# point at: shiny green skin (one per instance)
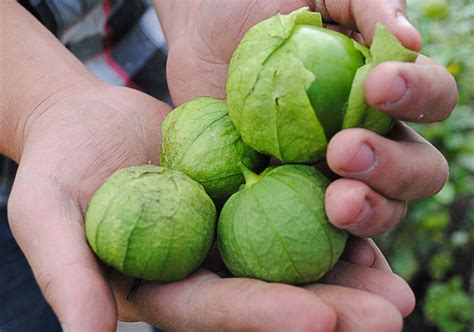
(151, 222)
(333, 59)
(292, 85)
(200, 140)
(288, 84)
(276, 229)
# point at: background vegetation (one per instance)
(433, 247)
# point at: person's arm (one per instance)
(35, 71)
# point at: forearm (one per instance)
(35, 71)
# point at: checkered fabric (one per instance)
(120, 41)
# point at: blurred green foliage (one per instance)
(433, 247)
(447, 305)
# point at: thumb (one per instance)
(47, 224)
(362, 15)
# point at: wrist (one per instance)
(38, 70)
(22, 113)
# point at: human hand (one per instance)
(72, 144)
(359, 294)
(378, 174)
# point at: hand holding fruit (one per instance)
(117, 128)
(77, 140)
(379, 173)
(183, 154)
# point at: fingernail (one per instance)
(363, 215)
(363, 161)
(397, 91)
(403, 20)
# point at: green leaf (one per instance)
(404, 263)
(357, 105)
(364, 50)
(436, 220)
(254, 50)
(386, 47)
(466, 160)
(281, 87)
(440, 264)
(448, 306)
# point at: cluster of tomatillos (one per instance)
(291, 86)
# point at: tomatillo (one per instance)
(275, 228)
(293, 84)
(151, 222)
(200, 140)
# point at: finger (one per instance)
(379, 262)
(359, 311)
(363, 212)
(363, 15)
(408, 169)
(47, 225)
(205, 302)
(385, 284)
(364, 252)
(358, 252)
(423, 92)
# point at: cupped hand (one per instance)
(72, 143)
(359, 294)
(378, 174)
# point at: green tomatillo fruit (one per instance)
(293, 84)
(200, 140)
(151, 222)
(276, 229)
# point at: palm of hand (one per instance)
(95, 134)
(210, 39)
(75, 143)
(119, 129)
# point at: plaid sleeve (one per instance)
(120, 41)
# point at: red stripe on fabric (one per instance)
(115, 66)
(107, 8)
